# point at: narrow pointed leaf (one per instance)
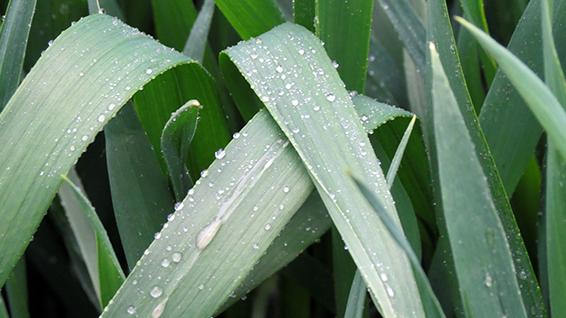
(327, 160)
(13, 43)
(17, 291)
(97, 251)
(555, 200)
(198, 38)
(176, 138)
(356, 298)
(480, 250)
(141, 197)
(538, 96)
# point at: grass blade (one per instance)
(155, 103)
(251, 17)
(513, 131)
(555, 201)
(197, 41)
(311, 220)
(104, 270)
(409, 26)
(17, 291)
(481, 253)
(13, 43)
(261, 188)
(176, 138)
(357, 295)
(346, 42)
(304, 13)
(289, 41)
(3, 310)
(28, 184)
(356, 298)
(141, 197)
(539, 98)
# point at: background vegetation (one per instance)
(262, 158)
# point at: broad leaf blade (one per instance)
(79, 61)
(328, 159)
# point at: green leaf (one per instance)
(292, 51)
(103, 267)
(13, 43)
(346, 42)
(357, 295)
(441, 34)
(311, 220)
(430, 304)
(155, 103)
(509, 126)
(304, 13)
(197, 41)
(555, 200)
(538, 96)
(176, 138)
(356, 298)
(3, 310)
(232, 214)
(475, 10)
(140, 191)
(173, 21)
(480, 249)
(68, 89)
(409, 26)
(251, 17)
(17, 291)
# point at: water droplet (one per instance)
(301, 51)
(156, 292)
(316, 108)
(383, 277)
(179, 206)
(165, 263)
(148, 71)
(488, 281)
(294, 102)
(204, 173)
(330, 97)
(390, 291)
(84, 138)
(111, 106)
(131, 310)
(335, 64)
(101, 118)
(158, 310)
(157, 235)
(206, 235)
(50, 43)
(286, 189)
(236, 135)
(255, 246)
(267, 227)
(279, 69)
(176, 257)
(201, 287)
(219, 154)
